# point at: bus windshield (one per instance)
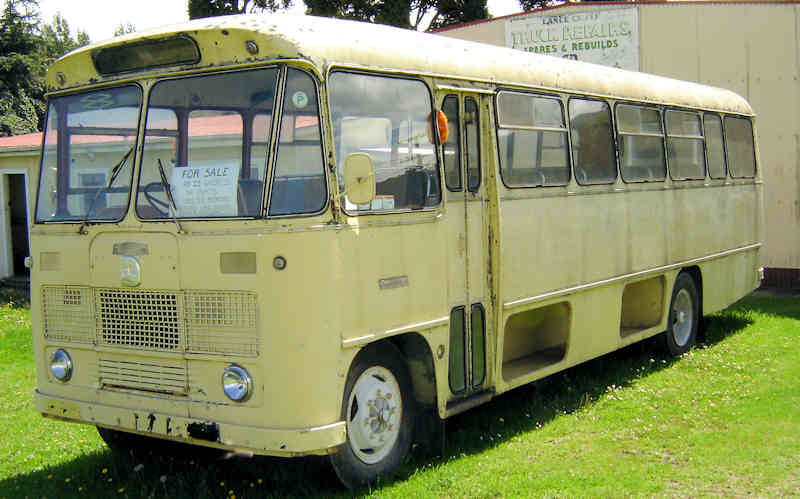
(87, 160)
(207, 139)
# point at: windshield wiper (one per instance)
(167, 189)
(114, 174)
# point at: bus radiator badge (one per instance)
(130, 272)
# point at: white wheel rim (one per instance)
(374, 413)
(682, 317)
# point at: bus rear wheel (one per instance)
(379, 410)
(684, 315)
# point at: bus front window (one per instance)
(209, 135)
(87, 160)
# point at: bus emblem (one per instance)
(130, 272)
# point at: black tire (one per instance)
(356, 466)
(684, 316)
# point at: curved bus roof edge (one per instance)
(332, 42)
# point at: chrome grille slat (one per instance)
(158, 376)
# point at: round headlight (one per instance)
(237, 383)
(61, 365)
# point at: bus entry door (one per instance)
(466, 212)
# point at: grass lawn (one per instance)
(723, 420)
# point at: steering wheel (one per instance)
(161, 207)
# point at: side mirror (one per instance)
(359, 178)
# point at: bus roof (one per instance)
(324, 42)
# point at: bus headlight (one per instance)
(61, 365)
(237, 383)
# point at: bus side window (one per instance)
(473, 146)
(389, 119)
(641, 142)
(592, 142)
(685, 145)
(298, 184)
(715, 151)
(739, 144)
(532, 140)
(452, 147)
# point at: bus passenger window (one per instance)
(592, 142)
(641, 143)
(452, 147)
(298, 185)
(685, 146)
(739, 143)
(389, 119)
(712, 125)
(532, 140)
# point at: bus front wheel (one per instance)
(684, 315)
(379, 409)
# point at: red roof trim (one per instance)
(598, 4)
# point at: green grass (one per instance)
(723, 420)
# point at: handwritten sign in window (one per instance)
(205, 191)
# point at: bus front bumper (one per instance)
(239, 438)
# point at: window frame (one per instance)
(748, 119)
(614, 145)
(479, 166)
(618, 134)
(498, 126)
(275, 143)
(437, 155)
(457, 126)
(667, 136)
(132, 160)
(726, 170)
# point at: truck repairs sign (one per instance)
(608, 37)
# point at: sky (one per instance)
(99, 18)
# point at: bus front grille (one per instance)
(138, 319)
(217, 322)
(152, 375)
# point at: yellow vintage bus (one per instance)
(286, 235)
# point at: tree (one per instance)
(413, 14)
(26, 51)
(402, 13)
(539, 4)
(211, 8)
(124, 29)
(20, 87)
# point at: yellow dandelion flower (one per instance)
(252, 485)
(221, 484)
(121, 490)
(260, 481)
(49, 476)
(80, 489)
(105, 470)
(230, 492)
(68, 480)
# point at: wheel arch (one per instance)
(697, 275)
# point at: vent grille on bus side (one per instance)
(166, 376)
(216, 322)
